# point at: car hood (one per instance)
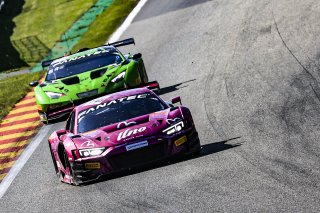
(83, 82)
(131, 130)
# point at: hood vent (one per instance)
(70, 81)
(97, 73)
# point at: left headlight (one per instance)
(174, 128)
(119, 77)
(54, 95)
(91, 152)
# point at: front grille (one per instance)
(87, 94)
(138, 156)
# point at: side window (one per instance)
(70, 123)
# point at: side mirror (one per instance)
(33, 83)
(137, 56)
(176, 100)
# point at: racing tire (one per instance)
(143, 75)
(67, 167)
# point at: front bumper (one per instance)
(117, 159)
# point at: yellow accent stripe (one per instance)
(3, 175)
(14, 144)
(16, 135)
(23, 109)
(22, 117)
(28, 101)
(7, 165)
(11, 154)
(19, 126)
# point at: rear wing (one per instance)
(124, 42)
(46, 63)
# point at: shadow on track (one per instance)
(174, 87)
(206, 149)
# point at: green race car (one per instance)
(77, 78)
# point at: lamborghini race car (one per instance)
(80, 77)
(121, 131)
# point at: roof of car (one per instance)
(111, 97)
(83, 53)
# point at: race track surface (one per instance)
(249, 72)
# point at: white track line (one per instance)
(18, 165)
(16, 168)
(116, 35)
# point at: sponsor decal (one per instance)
(181, 141)
(77, 57)
(125, 124)
(130, 132)
(106, 104)
(92, 165)
(171, 121)
(87, 144)
(137, 145)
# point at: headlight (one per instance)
(91, 152)
(119, 77)
(54, 95)
(174, 128)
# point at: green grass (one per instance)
(47, 20)
(15, 88)
(105, 24)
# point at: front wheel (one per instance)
(68, 175)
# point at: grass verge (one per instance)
(55, 20)
(105, 24)
(41, 24)
(13, 89)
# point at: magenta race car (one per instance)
(121, 131)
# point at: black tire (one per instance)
(66, 165)
(143, 74)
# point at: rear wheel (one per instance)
(143, 74)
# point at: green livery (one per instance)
(79, 77)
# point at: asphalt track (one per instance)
(249, 71)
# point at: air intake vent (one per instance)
(97, 73)
(70, 81)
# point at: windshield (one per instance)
(80, 65)
(118, 110)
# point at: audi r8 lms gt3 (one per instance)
(121, 131)
(74, 79)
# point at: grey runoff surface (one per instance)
(248, 71)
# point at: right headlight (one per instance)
(119, 77)
(91, 152)
(174, 128)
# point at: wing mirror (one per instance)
(137, 56)
(176, 100)
(33, 83)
